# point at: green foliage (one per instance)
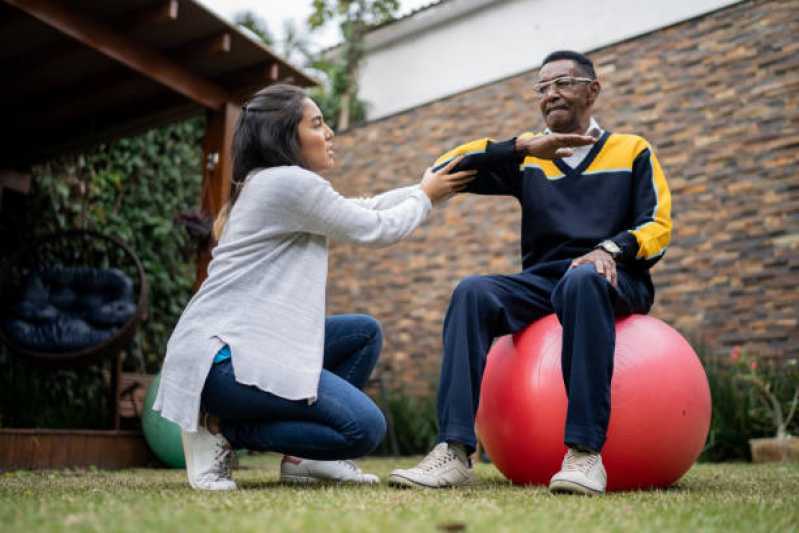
(257, 25)
(339, 98)
(132, 189)
(328, 96)
(414, 423)
(775, 390)
(30, 397)
(739, 410)
(370, 12)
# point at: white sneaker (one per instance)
(444, 466)
(580, 473)
(209, 460)
(298, 470)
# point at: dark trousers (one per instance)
(343, 422)
(485, 307)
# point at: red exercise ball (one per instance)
(660, 405)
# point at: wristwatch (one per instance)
(610, 247)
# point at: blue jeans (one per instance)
(343, 423)
(485, 307)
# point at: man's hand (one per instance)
(602, 261)
(553, 145)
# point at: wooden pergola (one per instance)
(79, 73)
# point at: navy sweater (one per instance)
(618, 192)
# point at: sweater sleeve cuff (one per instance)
(503, 148)
(628, 244)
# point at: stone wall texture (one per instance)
(718, 98)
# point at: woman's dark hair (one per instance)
(266, 136)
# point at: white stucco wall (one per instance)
(465, 43)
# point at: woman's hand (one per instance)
(553, 145)
(442, 184)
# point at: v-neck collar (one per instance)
(587, 160)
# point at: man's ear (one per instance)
(594, 88)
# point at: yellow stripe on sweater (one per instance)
(549, 168)
(653, 237)
(475, 147)
(618, 154)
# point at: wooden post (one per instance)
(116, 373)
(217, 173)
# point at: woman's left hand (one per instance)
(441, 184)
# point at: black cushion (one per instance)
(61, 335)
(70, 308)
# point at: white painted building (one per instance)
(454, 45)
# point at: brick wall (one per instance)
(717, 96)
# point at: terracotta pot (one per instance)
(774, 449)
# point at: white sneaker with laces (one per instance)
(580, 473)
(209, 460)
(298, 470)
(444, 466)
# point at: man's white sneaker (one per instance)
(297, 470)
(209, 460)
(444, 466)
(580, 473)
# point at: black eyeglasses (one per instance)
(560, 84)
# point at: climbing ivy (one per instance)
(134, 189)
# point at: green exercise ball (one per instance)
(161, 435)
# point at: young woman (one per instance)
(253, 351)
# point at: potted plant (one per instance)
(782, 446)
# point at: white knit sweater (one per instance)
(265, 291)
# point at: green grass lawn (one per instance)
(711, 497)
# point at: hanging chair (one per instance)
(71, 299)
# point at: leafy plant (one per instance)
(739, 410)
(414, 423)
(133, 189)
(30, 397)
(770, 390)
(255, 24)
(355, 19)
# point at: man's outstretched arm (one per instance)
(497, 163)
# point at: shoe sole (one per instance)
(299, 480)
(310, 480)
(570, 487)
(401, 482)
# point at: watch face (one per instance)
(611, 247)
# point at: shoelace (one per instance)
(581, 462)
(437, 458)
(223, 462)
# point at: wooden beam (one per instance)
(202, 48)
(126, 51)
(95, 95)
(9, 19)
(217, 174)
(158, 14)
(45, 58)
(16, 181)
(28, 147)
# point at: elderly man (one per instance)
(595, 219)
